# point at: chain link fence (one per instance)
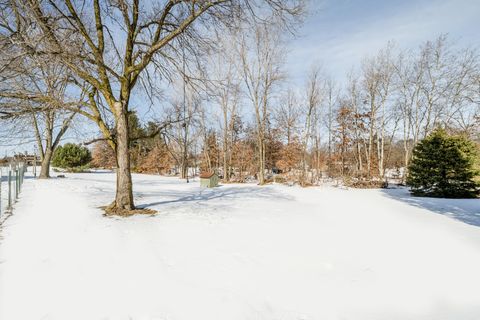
(11, 181)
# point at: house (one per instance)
(209, 180)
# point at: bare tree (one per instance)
(331, 101)
(225, 89)
(261, 62)
(313, 97)
(34, 95)
(377, 81)
(287, 116)
(409, 77)
(185, 114)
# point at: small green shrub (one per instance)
(71, 156)
(444, 166)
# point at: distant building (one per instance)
(209, 180)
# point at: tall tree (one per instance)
(377, 82)
(313, 97)
(261, 62)
(35, 100)
(225, 89)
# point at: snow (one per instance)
(237, 252)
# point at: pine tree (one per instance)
(444, 166)
(71, 156)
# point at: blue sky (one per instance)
(339, 33)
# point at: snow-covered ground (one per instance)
(237, 252)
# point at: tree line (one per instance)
(247, 123)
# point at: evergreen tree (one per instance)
(444, 166)
(71, 156)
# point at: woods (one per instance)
(251, 125)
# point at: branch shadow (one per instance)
(464, 210)
(225, 194)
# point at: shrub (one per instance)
(103, 156)
(71, 156)
(366, 184)
(444, 166)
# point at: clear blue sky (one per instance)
(339, 33)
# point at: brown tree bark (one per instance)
(124, 192)
(45, 166)
(261, 171)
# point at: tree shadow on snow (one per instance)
(222, 193)
(465, 210)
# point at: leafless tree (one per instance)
(261, 61)
(313, 102)
(287, 116)
(226, 90)
(377, 82)
(34, 95)
(331, 92)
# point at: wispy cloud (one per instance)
(341, 33)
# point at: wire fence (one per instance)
(11, 181)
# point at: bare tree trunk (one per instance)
(206, 155)
(330, 137)
(370, 142)
(318, 144)
(306, 139)
(225, 151)
(124, 192)
(45, 166)
(261, 158)
(48, 152)
(313, 97)
(381, 146)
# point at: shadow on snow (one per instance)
(465, 210)
(222, 193)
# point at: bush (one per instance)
(444, 166)
(366, 184)
(103, 156)
(71, 156)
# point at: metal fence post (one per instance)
(1, 177)
(15, 177)
(22, 173)
(9, 188)
(16, 184)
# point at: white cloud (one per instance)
(348, 37)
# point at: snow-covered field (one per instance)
(237, 252)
